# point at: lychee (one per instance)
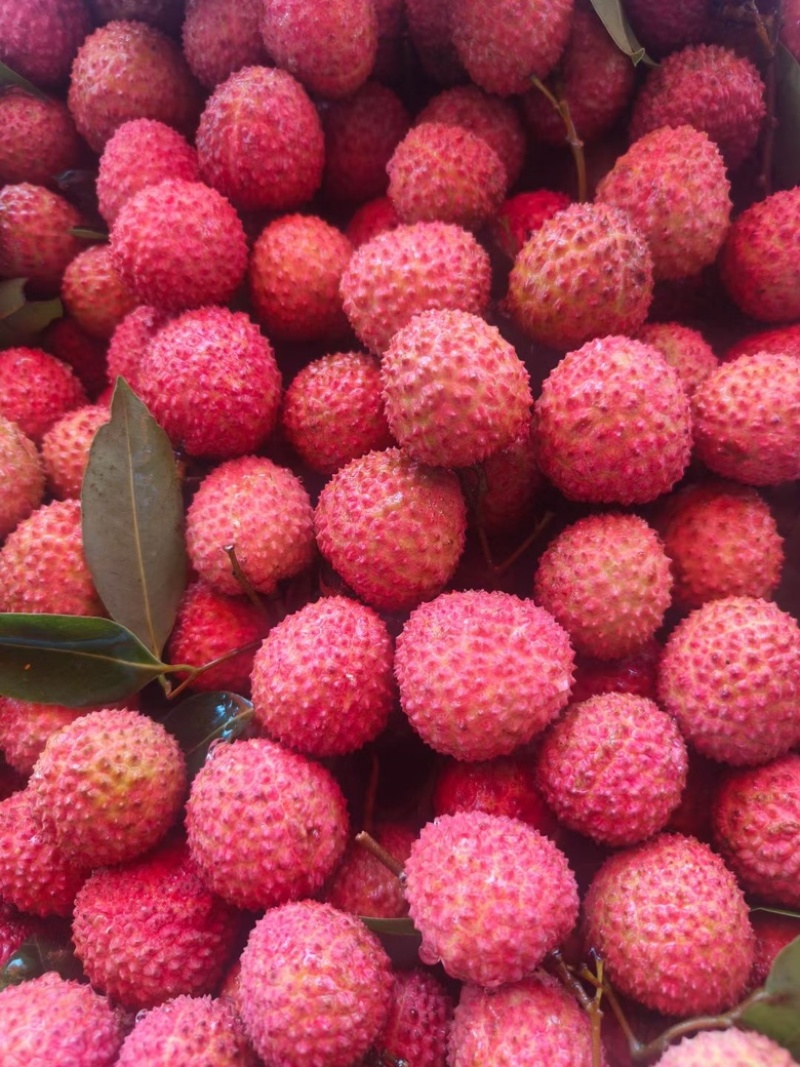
(635, 673)
(726, 1048)
(32, 120)
(65, 449)
(773, 933)
(684, 348)
(522, 215)
(430, 29)
(35, 238)
(94, 293)
(23, 476)
(420, 1020)
(782, 340)
(509, 485)
(362, 885)
(39, 38)
(372, 218)
(36, 390)
(65, 339)
(130, 341)
(185, 1032)
(665, 27)
(26, 727)
(164, 14)
(220, 37)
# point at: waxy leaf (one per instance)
(132, 511)
(205, 719)
(787, 142)
(38, 955)
(10, 77)
(403, 927)
(71, 659)
(88, 234)
(616, 23)
(777, 1012)
(21, 319)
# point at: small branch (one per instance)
(573, 140)
(539, 528)
(725, 1021)
(634, 1044)
(195, 672)
(371, 845)
(556, 963)
(247, 589)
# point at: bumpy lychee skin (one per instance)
(420, 1019)
(150, 930)
(36, 390)
(220, 37)
(374, 217)
(672, 926)
(23, 476)
(35, 238)
(510, 485)
(322, 679)
(773, 933)
(94, 293)
(333, 411)
(726, 1048)
(39, 39)
(664, 28)
(446, 173)
(315, 986)
(42, 565)
(15, 928)
(179, 245)
(606, 579)
(392, 557)
(260, 140)
(635, 674)
(451, 657)
(503, 47)
(362, 884)
(454, 389)
(411, 269)
(187, 1031)
(330, 49)
(265, 825)
(211, 380)
(746, 419)
(141, 152)
(65, 449)
(129, 70)
(613, 423)
(683, 348)
(264, 511)
(613, 768)
(759, 264)
(674, 186)
(710, 88)
(51, 1022)
(108, 786)
(722, 540)
(129, 343)
(755, 816)
(497, 939)
(294, 273)
(730, 674)
(586, 272)
(784, 340)
(30, 120)
(527, 1023)
(25, 728)
(522, 215)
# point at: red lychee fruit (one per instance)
(260, 140)
(726, 1048)
(23, 476)
(509, 486)
(503, 936)
(52, 1022)
(139, 153)
(392, 37)
(391, 528)
(481, 673)
(411, 269)
(333, 411)
(362, 885)
(42, 565)
(39, 38)
(755, 816)
(522, 215)
(613, 423)
(330, 49)
(129, 343)
(665, 27)
(220, 37)
(211, 380)
(209, 625)
(783, 340)
(683, 348)
(430, 29)
(673, 184)
(454, 389)
(150, 930)
(108, 786)
(185, 1032)
(65, 449)
(265, 825)
(374, 217)
(31, 120)
(25, 728)
(420, 1019)
(263, 511)
(305, 948)
(760, 260)
(447, 174)
(730, 674)
(710, 88)
(65, 339)
(773, 933)
(746, 419)
(164, 14)
(693, 815)
(361, 133)
(94, 293)
(722, 540)
(586, 272)
(606, 579)
(36, 390)
(613, 768)
(527, 1023)
(671, 925)
(504, 47)
(35, 239)
(635, 674)
(129, 70)
(322, 679)
(15, 929)
(179, 245)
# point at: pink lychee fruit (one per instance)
(220, 37)
(420, 1020)
(265, 825)
(94, 293)
(35, 238)
(39, 39)
(374, 217)
(185, 1032)
(726, 1048)
(666, 27)
(32, 120)
(613, 423)
(509, 485)
(671, 924)
(308, 946)
(773, 933)
(362, 885)
(26, 727)
(65, 339)
(36, 390)
(684, 348)
(783, 340)
(65, 449)
(130, 341)
(522, 215)
(635, 674)
(23, 476)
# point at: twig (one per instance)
(573, 140)
(371, 845)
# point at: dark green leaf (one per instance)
(787, 141)
(28, 322)
(12, 296)
(132, 508)
(399, 927)
(776, 1013)
(88, 234)
(10, 77)
(37, 956)
(202, 720)
(616, 23)
(73, 660)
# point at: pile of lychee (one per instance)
(478, 347)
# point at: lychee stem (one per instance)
(591, 1005)
(195, 672)
(247, 589)
(371, 845)
(573, 140)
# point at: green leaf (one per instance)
(207, 718)
(132, 506)
(20, 319)
(787, 142)
(399, 927)
(12, 296)
(38, 955)
(10, 77)
(776, 1012)
(613, 17)
(71, 659)
(88, 234)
